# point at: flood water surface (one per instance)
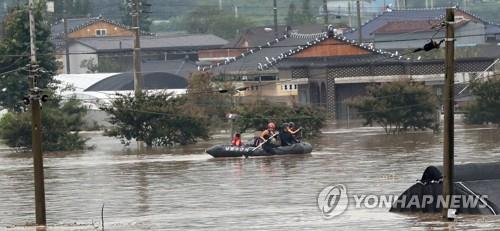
(185, 189)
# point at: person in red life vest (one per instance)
(237, 140)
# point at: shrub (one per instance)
(398, 106)
(60, 126)
(157, 119)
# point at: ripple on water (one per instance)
(185, 189)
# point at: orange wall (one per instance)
(329, 48)
(89, 31)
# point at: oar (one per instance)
(265, 141)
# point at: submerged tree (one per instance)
(398, 106)
(61, 121)
(157, 119)
(214, 100)
(485, 108)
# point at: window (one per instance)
(286, 87)
(100, 32)
(295, 86)
(291, 87)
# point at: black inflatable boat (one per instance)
(232, 151)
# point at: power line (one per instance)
(237, 48)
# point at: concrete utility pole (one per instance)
(136, 10)
(275, 12)
(349, 13)
(66, 45)
(36, 124)
(448, 154)
(325, 11)
(360, 33)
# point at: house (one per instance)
(264, 70)
(251, 38)
(397, 29)
(114, 54)
(88, 27)
(326, 69)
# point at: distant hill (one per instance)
(260, 11)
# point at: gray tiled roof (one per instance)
(396, 15)
(251, 61)
(259, 36)
(275, 52)
(379, 21)
(153, 42)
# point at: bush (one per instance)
(398, 106)
(60, 126)
(257, 116)
(485, 108)
(157, 119)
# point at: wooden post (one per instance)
(448, 154)
(36, 125)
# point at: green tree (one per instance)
(256, 116)
(157, 119)
(398, 106)
(205, 20)
(205, 95)
(306, 12)
(292, 18)
(485, 108)
(74, 8)
(144, 20)
(61, 122)
(15, 55)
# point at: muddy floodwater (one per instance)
(185, 189)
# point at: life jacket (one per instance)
(236, 141)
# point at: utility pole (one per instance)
(325, 11)
(220, 5)
(36, 124)
(349, 12)
(136, 10)
(66, 45)
(448, 153)
(360, 33)
(275, 12)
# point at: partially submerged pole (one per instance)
(448, 154)
(36, 125)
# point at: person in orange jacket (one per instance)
(237, 140)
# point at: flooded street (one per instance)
(185, 189)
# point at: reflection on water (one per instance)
(183, 188)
